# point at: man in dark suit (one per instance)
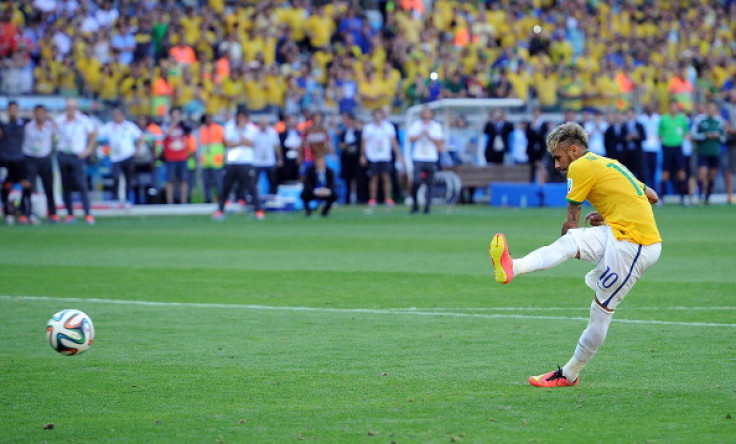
(536, 148)
(614, 138)
(498, 130)
(634, 152)
(353, 173)
(319, 184)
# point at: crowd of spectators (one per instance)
(596, 60)
(207, 55)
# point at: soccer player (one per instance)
(623, 242)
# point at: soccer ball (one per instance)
(70, 332)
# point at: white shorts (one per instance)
(619, 262)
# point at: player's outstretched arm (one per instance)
(573, 217)
(651, 195)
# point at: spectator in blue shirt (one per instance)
(124, 42)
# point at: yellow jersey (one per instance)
(616, 194)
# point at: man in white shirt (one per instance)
(291, 146)
(377, 143)
(426, 135)
(125, 140)
(652, 145)
(267, 151)
(239, 135)
(107, 14)
(77, 140)
(37, 147)
(596, 130)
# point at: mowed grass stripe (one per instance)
(352, 311)
(162, 373)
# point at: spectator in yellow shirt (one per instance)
(520, 82)
(232, 88)
(108, 86)
(275, 87)
(545, 86)
(140, 103)
(68, 77)
(572, 91)
(185, 92)
(44, 78)
(319, 28)
(295, 18)
(91, 70)
(370, 91)
(255, 90)
(191, 24)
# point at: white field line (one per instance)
(582, 307)
(387, 311)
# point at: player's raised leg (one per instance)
(542, 258)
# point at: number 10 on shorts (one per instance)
(607, 279)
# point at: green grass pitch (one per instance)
(371, 327)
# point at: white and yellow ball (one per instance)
(70, 332)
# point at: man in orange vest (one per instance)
(211, 155)
(183, 53)
(162, 94)
(148, 159)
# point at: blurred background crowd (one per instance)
(615, 66)
(348, 56)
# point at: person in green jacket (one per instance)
(673, 128)
(709, 133)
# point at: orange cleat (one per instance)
(503, 265)
(260, 214)
(552, 379)
(89, 219)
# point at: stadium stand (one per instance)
(296, 57)
(348, 56)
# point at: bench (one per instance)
(473, 177)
